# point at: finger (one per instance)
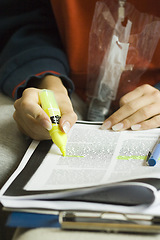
(18, 125)
(67, 121)
(130, 108)
(142, 114)
(154, 122)
(134, 120)
(29, 105)
(30, 127)
(125, 111)
(137, 93)
(69, 117)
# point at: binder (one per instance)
(110, 222)
(87, 221)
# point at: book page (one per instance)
(95, 157)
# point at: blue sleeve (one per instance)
(30, 46)
(157, 86)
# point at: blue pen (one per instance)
(154, 155)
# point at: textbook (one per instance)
(103, 171)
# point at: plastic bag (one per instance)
(116, 47)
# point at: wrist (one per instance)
(51, 82)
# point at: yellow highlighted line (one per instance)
(74, 156)
(132, 157)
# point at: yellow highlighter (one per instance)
(49, 105)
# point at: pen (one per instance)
(49, 105)
(154, 155)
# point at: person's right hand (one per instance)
(31, 118)
(139, 110)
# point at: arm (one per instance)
(32, 56)
(30, 47)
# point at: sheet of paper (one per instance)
(95, 157)
(44, 206)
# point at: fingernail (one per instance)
(117, 127)
(66, 127)
(106, 125)
(136, 127)
(47, 125)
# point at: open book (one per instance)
(103, 171)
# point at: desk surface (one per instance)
(12, 147)
(55, 234)
(12, 143)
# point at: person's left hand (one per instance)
(139, 110)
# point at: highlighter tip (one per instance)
(63, 151)
(64, 154)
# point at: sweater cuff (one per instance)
(18, 90)
(157, 86)
(16, 73)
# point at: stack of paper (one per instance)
(104, 171)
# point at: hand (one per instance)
(139, 110)
(30, 117)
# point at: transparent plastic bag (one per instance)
(116, 47)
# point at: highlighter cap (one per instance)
(152, 162)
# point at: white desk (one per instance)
(12, 143)
(55, 234)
